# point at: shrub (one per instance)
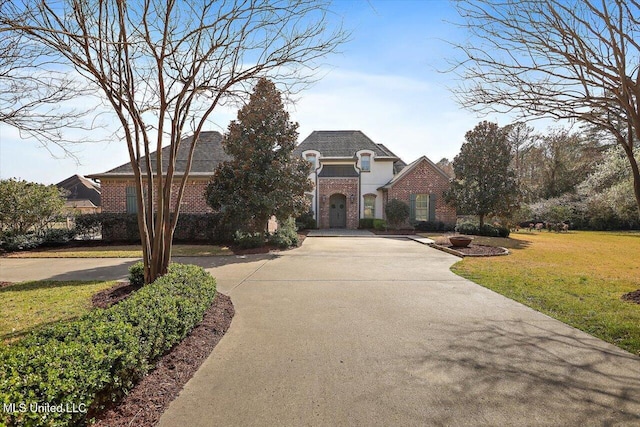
(366, 223)
(136, 274)
(486, 230)
(433, 226)
(246, 240)
(88, 225)
(286, 235)
(19, 242)
(379, 224)
(95, 360)
(397, 212)
(57, 237)
(306, 221)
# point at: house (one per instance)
(82, 195)
(118, 184)
(355, 177)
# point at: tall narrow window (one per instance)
(422, 207)
(132, 206)
(370, 206)
(365, 162)
(311, 158)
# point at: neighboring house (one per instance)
(82, 194)
(354, 178)
(118, 184)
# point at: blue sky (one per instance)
(385, 82)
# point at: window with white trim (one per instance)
(311, 158)
(132, 203)
(370, 206)
(365, 162)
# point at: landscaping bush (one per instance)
(88, 225)
(486, 230)
(136, 274)
(379, 224)
(397, 212)
(247, 240)
(94, 361)
(57, 237)
(433, 226)
(286, 235)
(366, 223)
(19, 242)
(306, 221)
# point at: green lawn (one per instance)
(28, 305)
(577, 278)
(122, 251)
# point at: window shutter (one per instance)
(432, 207)
(412, 207)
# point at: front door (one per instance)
(338, 211)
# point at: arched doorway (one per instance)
(338, 211)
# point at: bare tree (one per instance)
(577, 60)
(165, 65)
(33, 89)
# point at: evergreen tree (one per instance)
(485, 183)
(263, 179)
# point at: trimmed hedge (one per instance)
(91, 362)
(433, 226)
(366, 223)
(211, 227)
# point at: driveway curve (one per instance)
(377, 331)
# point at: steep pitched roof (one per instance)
(408, 168)
(80, 188)
(206, 157)
(341, 143)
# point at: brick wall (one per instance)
(344, 186)
(114, 198)
(424, 179)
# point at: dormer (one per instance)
(313, 157)
(364, 160)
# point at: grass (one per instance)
(28, 305)
(577, 278)
(122, 251)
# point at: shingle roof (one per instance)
(80, 188)
(206, 157)
(341, 143)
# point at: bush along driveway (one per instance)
(84, 365)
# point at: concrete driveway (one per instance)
(378, 331)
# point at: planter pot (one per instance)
(460, 241)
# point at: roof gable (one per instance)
(411, 166)
(80, 188)
(341, 143)
(206, 157)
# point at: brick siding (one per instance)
(424, 179)
(114, 197)
(344, 186)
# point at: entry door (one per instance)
(338, 211)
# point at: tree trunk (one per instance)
(481, 220)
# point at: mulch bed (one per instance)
(145, 404)
(113, 295)
(632, 296)
(474, 250)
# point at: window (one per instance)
(421, 207)
(132, 206)
(365, 162)
(370, 206)
(311, 158)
